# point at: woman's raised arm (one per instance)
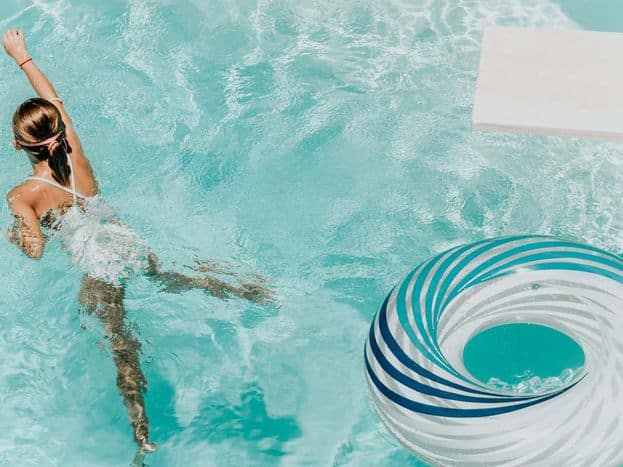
(15, 46)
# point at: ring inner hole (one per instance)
(523, 358)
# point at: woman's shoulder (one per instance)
(26, 192)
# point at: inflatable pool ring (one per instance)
(425, 396)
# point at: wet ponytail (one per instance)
(37, 120)
(57, 160)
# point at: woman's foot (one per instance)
(141, 433)
(257, 293)
(148, 447)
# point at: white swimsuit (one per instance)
(101, 246)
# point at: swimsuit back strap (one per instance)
(72, 178)
(74, 193)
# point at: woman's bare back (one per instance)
(45, 197)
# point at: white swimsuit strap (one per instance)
(75, 195)
(72, 178)
(51, 182)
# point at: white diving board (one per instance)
(550, 82)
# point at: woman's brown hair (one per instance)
(38, 120)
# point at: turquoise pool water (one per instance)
(324, 144)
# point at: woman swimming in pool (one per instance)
(61, 197)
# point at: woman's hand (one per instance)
(15, 45)
(12, 235)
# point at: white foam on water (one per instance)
(531, 384)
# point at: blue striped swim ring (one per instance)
(425, 396)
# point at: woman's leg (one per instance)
(176, 282)
(106, 301)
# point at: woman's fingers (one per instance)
(14, 42)
(8, 36)
(5, 40)
(9, 33)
